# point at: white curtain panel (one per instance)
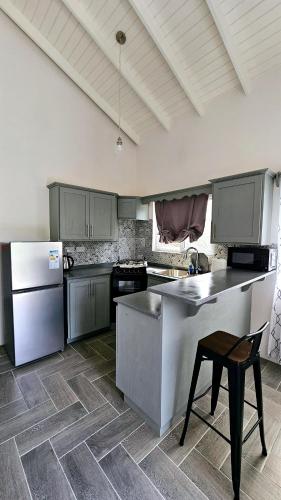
(274, 345)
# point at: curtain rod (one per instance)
(179, 193)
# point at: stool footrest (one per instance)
(252, 430)
(211, 426)
(245, 400)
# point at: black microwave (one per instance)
(254, 258)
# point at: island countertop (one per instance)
(198, 290)
(144, 302)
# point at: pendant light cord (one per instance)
(119, 90)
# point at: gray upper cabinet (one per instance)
(74, 214)
(103, 218)
(132, 208)
(242, 207)
(82, 214)
(88, 305)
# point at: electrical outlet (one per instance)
(69, 249)
(80, 249)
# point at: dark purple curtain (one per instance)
(180, 219)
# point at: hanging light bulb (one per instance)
(121, 39)
(119, 144)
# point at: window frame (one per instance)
(205, 246)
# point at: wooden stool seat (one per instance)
(236, 354)
(221, 342)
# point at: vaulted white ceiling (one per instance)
(179, 55)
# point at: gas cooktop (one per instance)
(130, 263)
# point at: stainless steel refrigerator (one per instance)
(32, 279)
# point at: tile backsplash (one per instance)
(96, 252)
(135, 242)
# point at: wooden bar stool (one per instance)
(236, 354)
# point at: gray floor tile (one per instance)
(59, 391)
(75, 369)
(271, 375)
(83, 429)
(255, 484)
(85, 475)
(5, 364)
(272, 467)
(86, 392)
(13, 484)
(32, 390)
(11, 410)
(126, 476)
(112, 434)
(63, 364)
(252, 448)
(102, 367)
(207, 478)
(172, 483)
(215, 448)
(196, 429)
(9, 390)
(141, 442)
(103, 349)
(109, 390)
(49, 427)
(25, 420)
(84, 349)
(37, 365)
(45, 476)
(68, 352)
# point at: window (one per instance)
(203, 244)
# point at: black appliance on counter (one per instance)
(128, 276)
(252, 258)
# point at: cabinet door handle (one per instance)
(92, 230)
(87, 230)
(92, 289)
(214, 231)
(89, 289)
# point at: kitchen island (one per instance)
(158, 332)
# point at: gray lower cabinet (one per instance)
(88, 305)
(82, 214)
(242, 209)
(132, 208)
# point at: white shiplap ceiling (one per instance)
(179, 55)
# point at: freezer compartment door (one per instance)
(38, 324)
(36, 264)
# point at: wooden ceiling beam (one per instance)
(49, 49)
(144, 14)
(111, 51)
(229, 44)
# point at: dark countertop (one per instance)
(90, 271)
(144, 302)
(198, 290)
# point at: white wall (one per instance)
(238, 133)
(49, 130)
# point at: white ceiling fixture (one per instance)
(141, 8)
(49, 49)
(93, 30)
(229, 44)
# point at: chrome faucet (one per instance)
(197, 257)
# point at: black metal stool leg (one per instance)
(196, 370)
(216, 380)
(236, 384)
(258, 386)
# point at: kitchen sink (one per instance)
(174, 273)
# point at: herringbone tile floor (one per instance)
(66, 433)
